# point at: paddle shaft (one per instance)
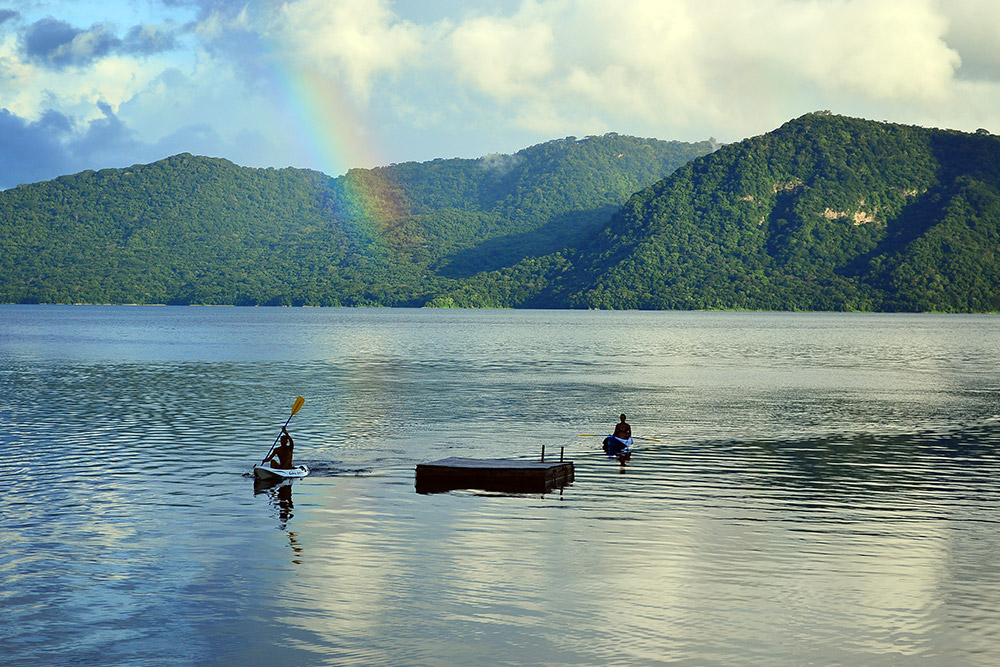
(634, 437)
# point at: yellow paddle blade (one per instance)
(299, 402)
(588, 435)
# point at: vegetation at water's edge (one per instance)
(824, 213)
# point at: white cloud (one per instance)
(28, 89)
(683, 62)
(217, 24)
(973, 28)
(471, 81)
(882, 49)
(351, 39)
(504, 58)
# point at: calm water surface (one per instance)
(823, 488)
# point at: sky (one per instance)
(336, 84)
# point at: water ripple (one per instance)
(826, 490)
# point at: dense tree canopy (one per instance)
(824, 213)
(191, 229)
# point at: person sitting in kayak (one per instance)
(620, 440)
(283, 452)
(622, 429)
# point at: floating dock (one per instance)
(507, 475)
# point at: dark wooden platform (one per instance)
(507, 475)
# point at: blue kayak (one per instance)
(617, 447)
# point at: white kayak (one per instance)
(267, 472)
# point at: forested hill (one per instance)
(824, 213)
(192, 229)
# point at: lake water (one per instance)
(822, 488)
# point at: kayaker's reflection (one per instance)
(279, 497)
(283, 501)
(296, 549)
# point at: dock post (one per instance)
(543, 453)
(561, 450)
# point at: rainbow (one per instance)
(326, 124)
(337, 139)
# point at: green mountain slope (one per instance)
(191, 229)
(824, 213)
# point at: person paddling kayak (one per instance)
(620, 440)
(283, 452)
